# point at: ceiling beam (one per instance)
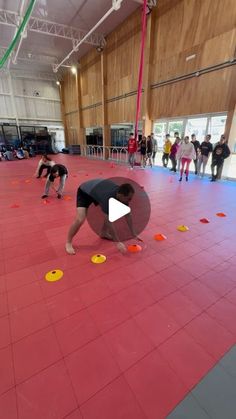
(47, 27)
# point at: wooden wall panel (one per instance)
(186, 27)
(70, 92)
(92, 117)
(123, 51)
(73, 128)
(90, 78)
(204, 94)
(179, 28)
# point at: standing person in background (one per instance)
(186, 153)
(166, 150)
(205, 151)
(181, 140)
(220, 153)
(143, 151)
(173, 152)
(44, 163)
(58, 170)
(149, 149)
(132, 148)
(196, 145)
(154, 147)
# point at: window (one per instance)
(175, 126)
(159, 130)
(196, 126)
(216, 127)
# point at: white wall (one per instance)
(29, 101)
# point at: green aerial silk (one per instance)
(18, 34)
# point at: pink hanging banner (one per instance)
(140, 78)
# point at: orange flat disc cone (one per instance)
(15, 206)
(46, 202)
(67, 198)
(134, 248)
(182, 228)
(204, 221)
(160, 237)
(220, 214)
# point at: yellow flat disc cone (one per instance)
(54, 276)
(98, 259)
(182, 228)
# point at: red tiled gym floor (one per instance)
(124, 340)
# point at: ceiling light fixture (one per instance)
(58, 83)
(73, 69)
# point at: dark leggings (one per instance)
(219, 167)
(174, 163)
(165, 159)
(44, 167)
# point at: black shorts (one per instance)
(84, 200)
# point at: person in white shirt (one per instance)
(44, 163)
(186, 153)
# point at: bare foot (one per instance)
(69, 249)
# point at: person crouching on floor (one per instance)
(44, 163)
(58, 170)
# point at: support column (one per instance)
(81, 129)
(230, 132)
(230, 126)
(13, 103)
(63, 117)
(105, 127)
(145, 110)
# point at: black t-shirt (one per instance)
(101, 191)
(196, 145)
(206, 148)
(62, 170)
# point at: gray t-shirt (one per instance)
(101, 190)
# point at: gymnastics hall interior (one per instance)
(151, 333)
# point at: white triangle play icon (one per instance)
(116, 210)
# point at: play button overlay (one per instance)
(112, 210)
(116, 210)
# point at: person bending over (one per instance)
(44, 163)
(98, 192)
(58, 170)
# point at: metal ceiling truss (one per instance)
(46, 27)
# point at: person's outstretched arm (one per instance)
(108, 226)
(131, 226)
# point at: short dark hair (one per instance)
(125, 189)
(131, 134)
(193, 135)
